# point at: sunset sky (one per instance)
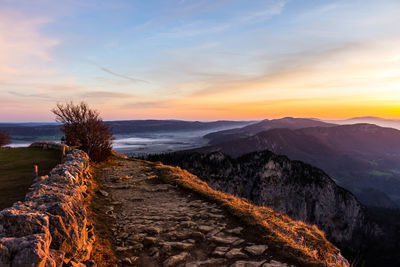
(201, 59)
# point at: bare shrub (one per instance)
(83, 128)
(4, 138)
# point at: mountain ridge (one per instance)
(374, 239)
(359, 156)
(287, 122)
(392, 123)
(177, 219)
(298, 189)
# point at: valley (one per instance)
(364, 158)
(232, 158)
(133, 138)
(158, 215)
(199, 133)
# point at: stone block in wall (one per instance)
(32, 250)
(19, 223)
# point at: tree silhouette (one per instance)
(4, 138)
(83, 128)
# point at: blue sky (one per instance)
(203, 60)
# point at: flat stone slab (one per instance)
(175, 260)
(237, 230)
(205, 228)
(235, 253)
(167, 246)
(209, 262)
(256, 250)
(273, 263)
(224, 239)
(220, 251)
(247, 264)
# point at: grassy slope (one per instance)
(294, 240)
(16, 168)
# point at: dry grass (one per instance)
(103, 253)
(293, 240)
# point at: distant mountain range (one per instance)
(299, 190)
(138, 126)
(252, 129)
(363, 158)
(372, 120)
(29, 124)
(51, 131)
(294, 123)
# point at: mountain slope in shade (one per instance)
(288, 122)
(375, 198)
(372, 120)
(359, 157)
(301, 191)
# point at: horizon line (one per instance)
(205, 120)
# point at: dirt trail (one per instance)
(158, 224)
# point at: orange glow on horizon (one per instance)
(321, 108)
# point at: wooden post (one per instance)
(35, 171)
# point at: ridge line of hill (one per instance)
(131, 189)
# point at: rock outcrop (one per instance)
(157, 222)
(301, 191)
(50, 227)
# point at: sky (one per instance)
(200, 59)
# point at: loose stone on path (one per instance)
(159, 224)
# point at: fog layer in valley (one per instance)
(149, 143)
(153, 142)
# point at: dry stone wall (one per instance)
(50, 227)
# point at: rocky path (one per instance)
(157, 224)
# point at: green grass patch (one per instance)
(16, 139)
(16, 171)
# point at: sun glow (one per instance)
(203, 61)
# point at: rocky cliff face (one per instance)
(50, 227)
(362, 158)
(301, 191)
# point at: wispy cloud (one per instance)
(116, 74)
(24, 50)
(316, 73)
(206, 27)
(216, 57)
(90, 95)
(146, 105)
(106, 94)
(273, 8)
(35, 95)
